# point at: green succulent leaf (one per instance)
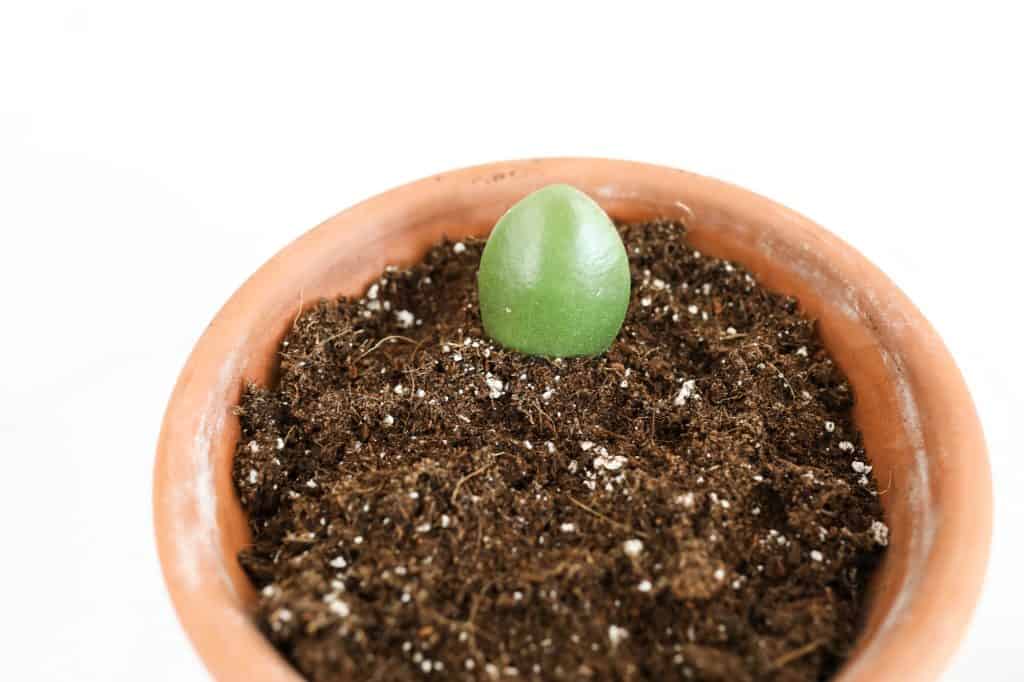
(554, 276)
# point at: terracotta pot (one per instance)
(919, 424)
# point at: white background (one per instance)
(152, 155)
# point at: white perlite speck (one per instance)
(609, 462)
(253, 476)
(645, 301)
(371, 293)
(254, 447)
(688, 390)
(633, 547)
(802, 351)
(719, 574)
(568, 527)
(586, 445)
(388, 420)
(817, 556)
(880, 533)
(846, 446)
(399, 389)
(644, 586)
(495, 386)
(405, 318)
(338, 562)
(280, 444)
(337, 606)
(692, 309)
(617, 635)
(420, 393)
(459, 247)
(830, 426)
(860, 467)
(280, 616)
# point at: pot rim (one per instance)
(920, 639)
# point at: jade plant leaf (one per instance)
(554, 276)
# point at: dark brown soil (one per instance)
(691, 505)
